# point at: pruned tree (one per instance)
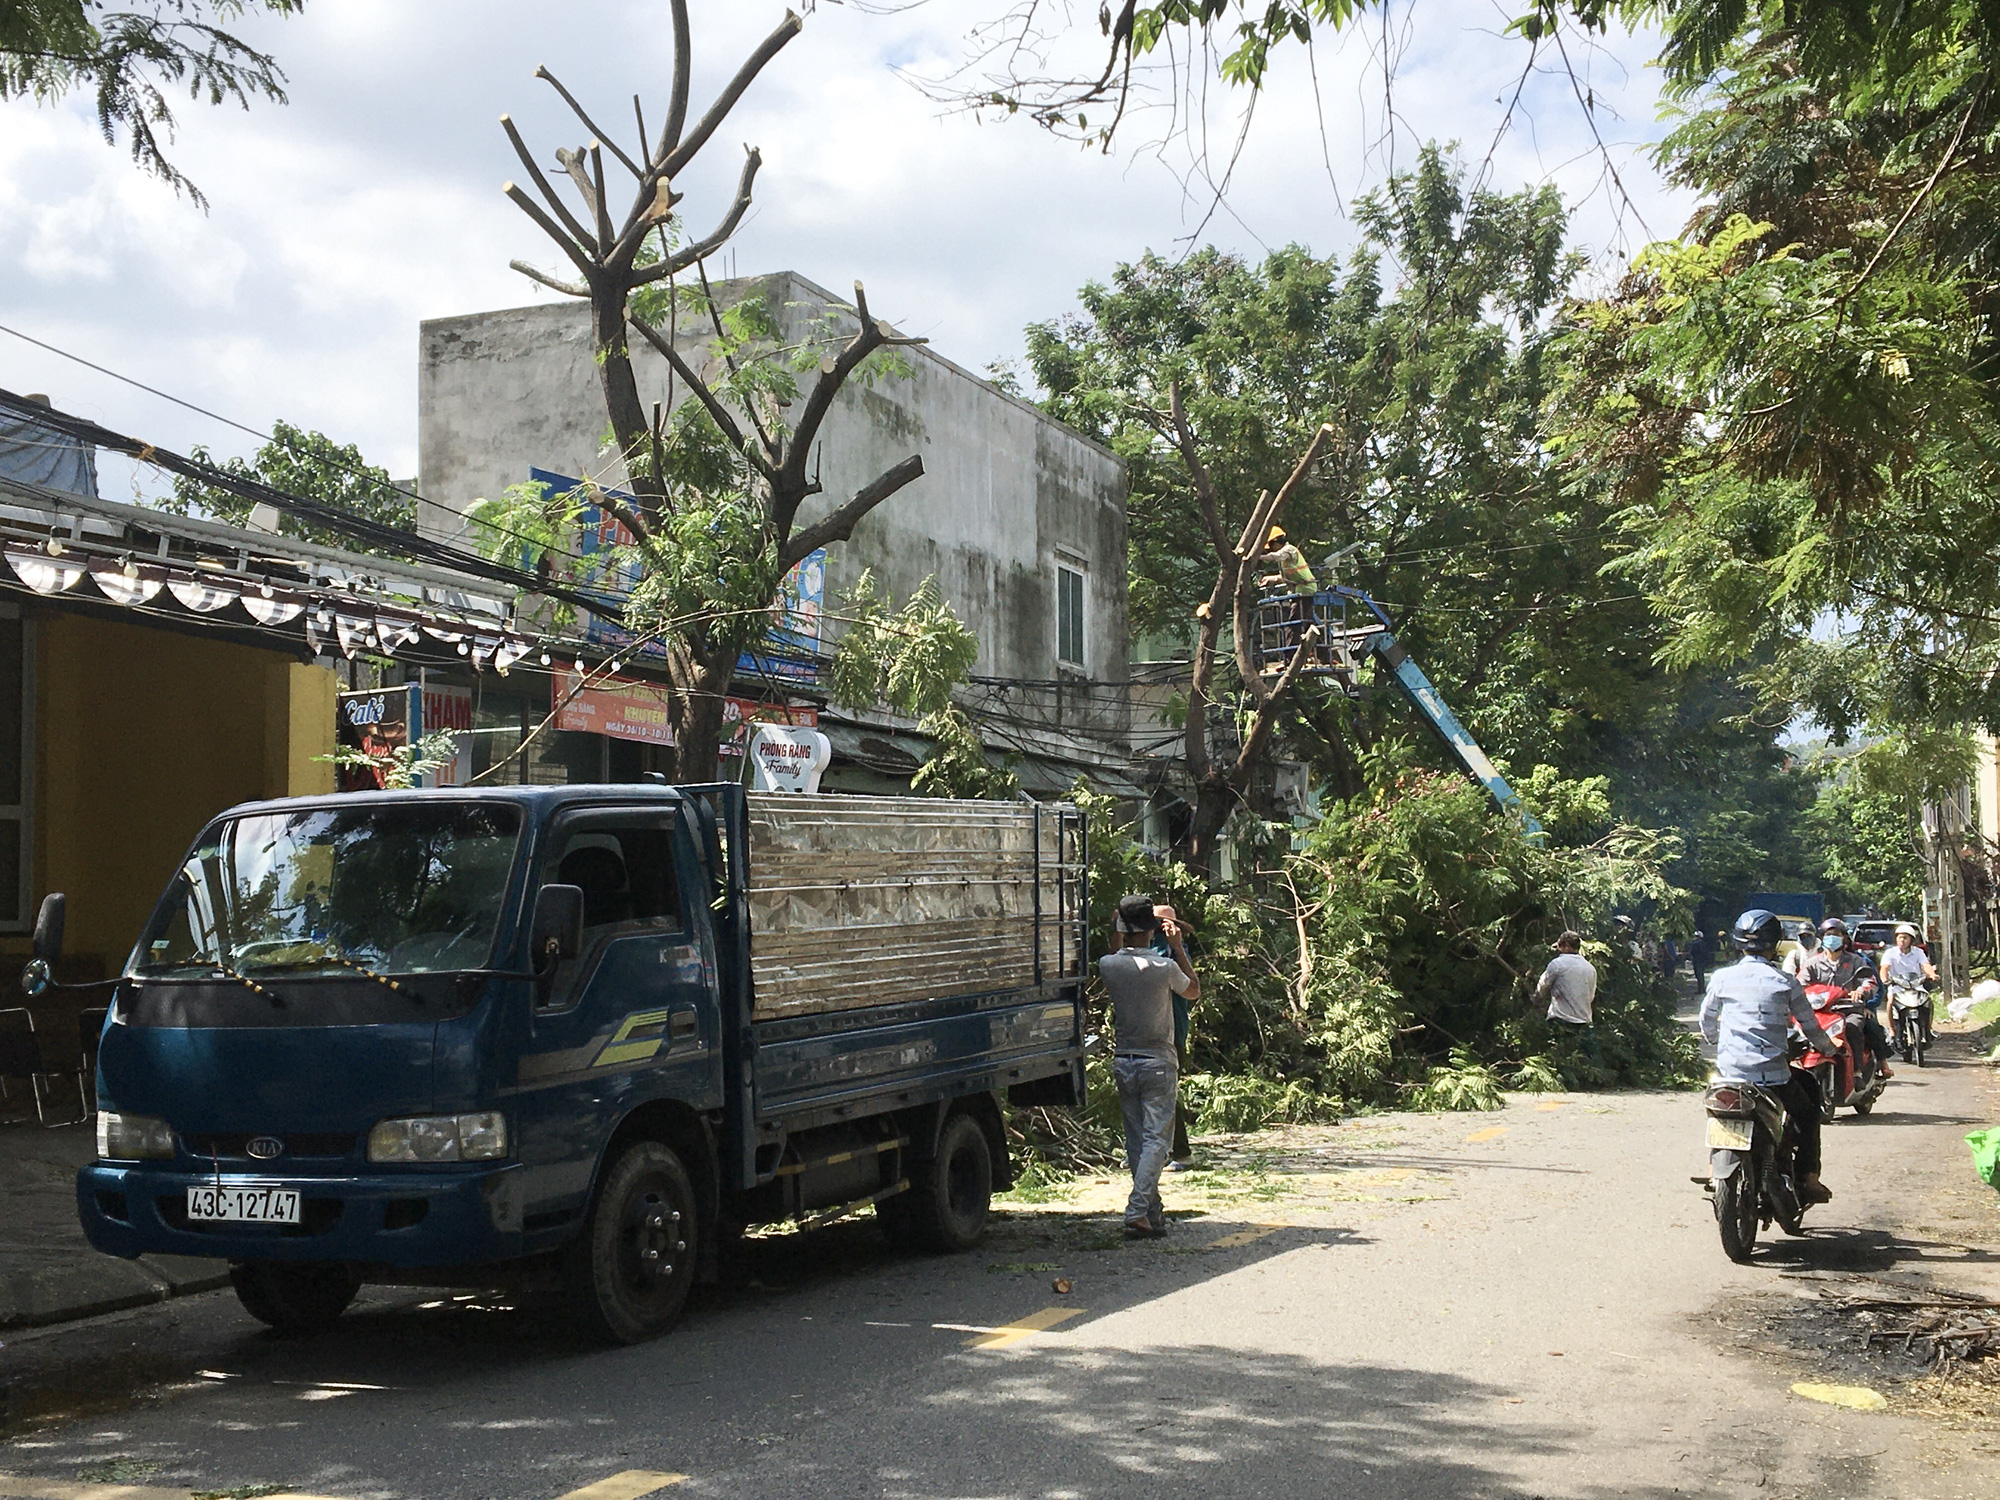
(753, 497)
(1220, 779)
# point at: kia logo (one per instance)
(264, 1147)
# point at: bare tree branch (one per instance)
(701, 249)
(572, 163)
(603, 205)
(552, 229)
(589, 124)
(716, 410)
(677, 105)
(628, 516)
(683, 153)
(872, 336)
(839, 525)
(584, 237)
(567, 288)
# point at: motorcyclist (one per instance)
(1837, 963)
(1907, 964)
(1747, 1015)
(1796, 961)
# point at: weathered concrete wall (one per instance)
(1006, 492)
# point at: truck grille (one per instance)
(237, 1147)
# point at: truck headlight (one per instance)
(479, 1137)
(133, 1137)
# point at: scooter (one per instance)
(1751, 1148)
(1850, 1075)
(1910, 1020)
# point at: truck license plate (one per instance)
(246, 1205)
(1728, 1135)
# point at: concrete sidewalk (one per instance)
(48, 1271)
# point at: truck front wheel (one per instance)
(294, 1297)
(632, 1267)
(946, 1206)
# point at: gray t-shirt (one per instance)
(1142, 985)
(1572, 986)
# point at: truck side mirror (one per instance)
(558, 929)
(49, 928)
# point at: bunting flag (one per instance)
(45, 574)
(124, 583)
(202, 597)
(508, 652)
(278, 609)
(395, 631)
(355, 632)
(484, 648)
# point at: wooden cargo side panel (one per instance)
(863, 901)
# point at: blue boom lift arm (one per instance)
(1282, 622)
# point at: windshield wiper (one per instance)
(336, 960)
(226, 972)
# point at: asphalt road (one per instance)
(1533, 1303)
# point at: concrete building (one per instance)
(1020, 519)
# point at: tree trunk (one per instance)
(1214, 800)
(698, 736)
(609, 338)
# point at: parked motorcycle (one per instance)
(1851, 1075)
(1751, 1149)
(1910, 1020)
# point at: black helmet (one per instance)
(1758, 931)
(1833, 924)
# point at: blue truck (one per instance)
(584, 1035)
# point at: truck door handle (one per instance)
(682, 1025)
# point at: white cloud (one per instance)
(371, 201)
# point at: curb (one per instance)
(29, 1300)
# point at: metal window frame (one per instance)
(1064, 571)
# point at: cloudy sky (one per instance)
(371, 201)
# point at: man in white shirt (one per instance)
(1569, 985)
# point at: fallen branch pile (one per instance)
(1951, 1330)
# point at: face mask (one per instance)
(1831, 942)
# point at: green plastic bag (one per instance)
(1985, 1146)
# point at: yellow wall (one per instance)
(142, 735)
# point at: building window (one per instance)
(1069, 616)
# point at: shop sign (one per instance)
(376, 723)
(449, 708)
(621, 707)
(741, 715)
(788, 760)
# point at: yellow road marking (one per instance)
(1009, 1334)
(1490, 1133)
(1244, 1237)
(1550, 1104)
(1857, 1397)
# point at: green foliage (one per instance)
(401, 766)
(908, 658)
(312, 466)
(130, 59)
(1426, 919)
(958, 765)
(1231, 1103)
(1537, 1075)
(1464, 1083)
(1864, 827)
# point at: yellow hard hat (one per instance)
(1277, 534)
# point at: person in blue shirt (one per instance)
(1747, 1016)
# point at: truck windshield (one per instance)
(389, 889)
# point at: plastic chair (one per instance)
(21, 1057)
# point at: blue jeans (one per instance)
(1147, 1089)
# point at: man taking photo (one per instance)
(1142, 984)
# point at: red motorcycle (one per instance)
(1851, 1074)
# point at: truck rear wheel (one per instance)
(294, 1297)
(631, 1269)
(946, 1206)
